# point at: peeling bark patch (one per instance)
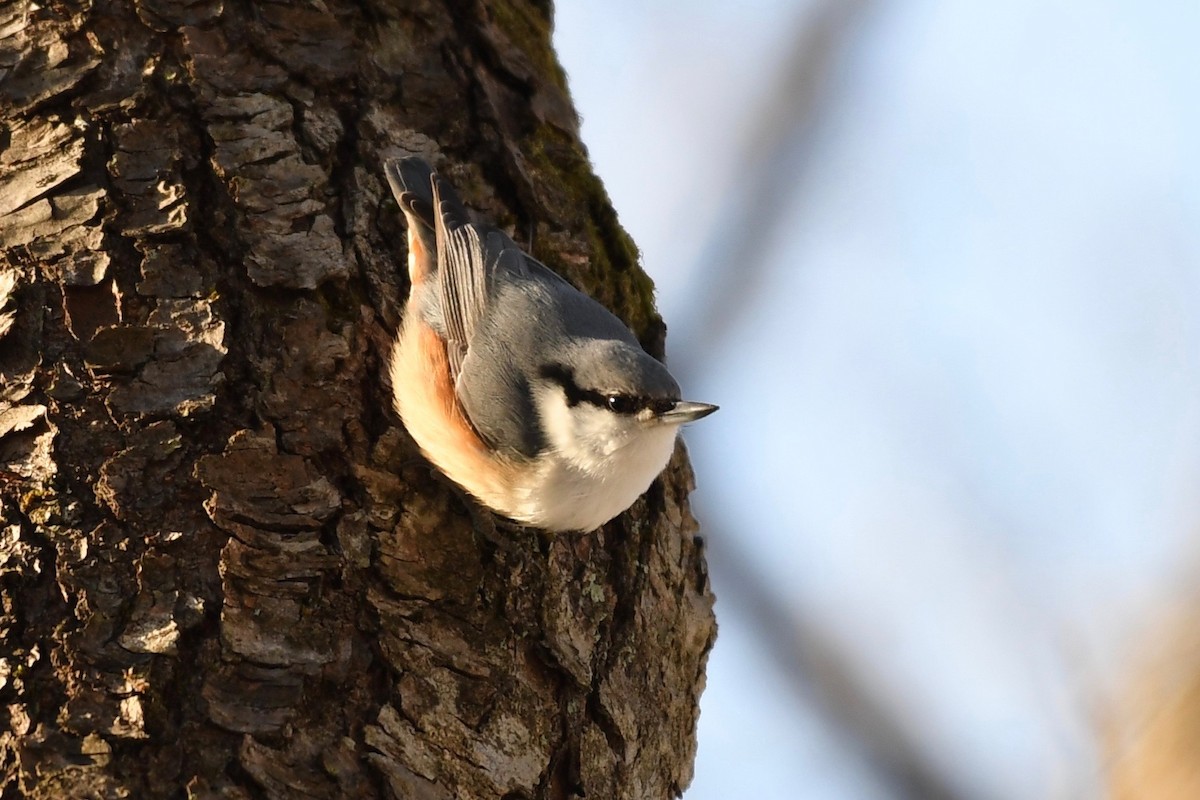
(175, 360)
(145, 169)
(19, 418)
(26, 441)
(62, 234)
(18, 556)
(39, 157)
(504, 754)
(33, 75)
(273, 570)
(181, 383)
(266, 597)
(249, 698)
(8, 283)
(252, 481)
(508, 751)
(413, 564)
(39, 222)
(395, 736)
(285, 220)
(285, 212)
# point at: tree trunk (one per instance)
(224, 569)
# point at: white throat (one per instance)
(597, 463)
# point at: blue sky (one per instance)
(960, 425)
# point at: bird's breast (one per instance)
(573, 494)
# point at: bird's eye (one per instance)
(621, 404)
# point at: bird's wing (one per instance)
(466, 257)
(493, 303)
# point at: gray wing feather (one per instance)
(463, 282)
(464, 263)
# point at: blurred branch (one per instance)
(771, 172)
(828, 680)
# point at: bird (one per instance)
(524, 391)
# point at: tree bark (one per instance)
(224, 569)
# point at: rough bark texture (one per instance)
(224, 569)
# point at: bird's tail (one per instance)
(411, 181)
(426, 199)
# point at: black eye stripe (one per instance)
(565, 378)
(616, 402)
(662, 406)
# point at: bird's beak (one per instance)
(686, 412)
